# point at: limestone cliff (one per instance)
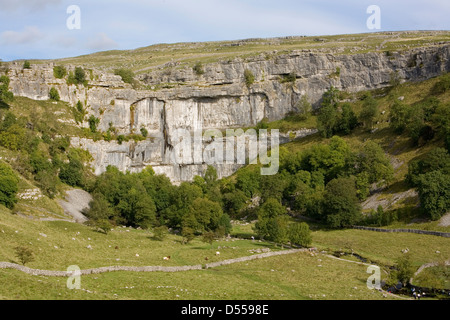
(219, 98)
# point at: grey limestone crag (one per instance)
(218, 98)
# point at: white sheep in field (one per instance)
(166, 258)
(217, 253)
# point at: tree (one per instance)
(80, 75)
(99, 208)
(341, 204)
(269, 223)
(8, 186)
(434, 193)
(372, 160)
(369, 112)
(126, 75)
(208, 237)
(404, 269)
(137, 207)
(348, 120)
(53, 94)
(26, 64)
(300, 234)
(159, 233)
(24, 254)
(399, 116)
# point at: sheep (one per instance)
(217, 253)
(166, 258)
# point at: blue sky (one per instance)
(36, 29)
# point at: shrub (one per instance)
(27, 65)
(198, 69)
(126, 75)
(59, 72)
(93, 123)
(24, 254)
(289, 78)
(144, 132)
(249, 78)
(53, 94)
(300, 234)
(443, 85)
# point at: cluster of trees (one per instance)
(77, 77)
(339, 118)
(42, 155)
(431, 177)
(148, 200)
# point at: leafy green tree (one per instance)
(99, 208)
(341, 204)
(137, 208)
(300, 234)
(399, 116)
(369, 112)
(327, 120)
(373, 161)
(26, 64)
(126, 74)
(8, 186)
(234, 202)
(80, 75)
(348, 120)
(434, 193)
(248, 181)
(14, 138)
(159, 233)
(404, 269)
(268, 225)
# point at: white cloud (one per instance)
(32, 5)
(101, 42)
(27, 36)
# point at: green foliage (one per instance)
(198, 69)
(99, 208)
(304, 108)
(442, 86)
(300, 234)
(434, 193)
(77, 77)
(26, 64)
(6, 96)
(399, 116)
(59, 72)
(404, 269)
(8, 186)
(160, 233)
(369, 112)
(289, 78)
(24, 254)
(93, 123)
(249, 77)
(144, 132)
(348, 120)
(54, 94)
(341, 205)
(126, 74)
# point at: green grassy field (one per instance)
(295, 276)
(142, 60)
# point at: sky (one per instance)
(46, 29)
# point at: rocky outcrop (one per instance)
(217, 99)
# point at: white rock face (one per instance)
(219, 99)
